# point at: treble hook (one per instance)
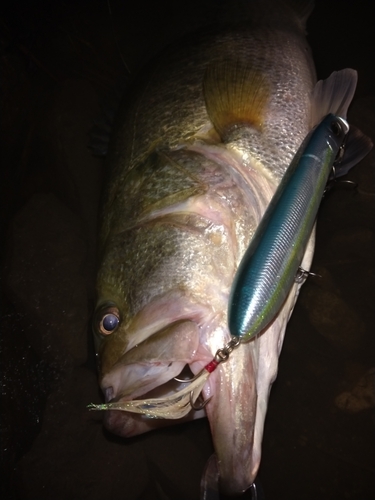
(187, 380)
(302, 275)
(337, 182)
(334, 179)
(201, 405)
(221, 356)
(253, 491)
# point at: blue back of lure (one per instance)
(270, 264)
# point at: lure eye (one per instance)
(336, 128)
(107, 319)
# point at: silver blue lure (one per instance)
(270, 264)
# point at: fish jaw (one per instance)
(149, 364)
(131, 424)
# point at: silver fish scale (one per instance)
(187, 239)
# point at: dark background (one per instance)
(59, 61)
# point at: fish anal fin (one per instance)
(236, 95)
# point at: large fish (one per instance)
(202, 141)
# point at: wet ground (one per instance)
(59, 61)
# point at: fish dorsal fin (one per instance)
(333, 95)
(236, 95)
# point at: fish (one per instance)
(269, 266)
(201, 142)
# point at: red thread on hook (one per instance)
(212, 365)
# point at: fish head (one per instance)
(163, 285)
(237, 391)
(139, 357)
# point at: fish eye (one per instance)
(107, 319)
(336, 128)
(110, 322)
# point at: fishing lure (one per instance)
(269, 266)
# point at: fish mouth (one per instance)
(148, 381)
(129, 416)
(163, 390)
(156, 352)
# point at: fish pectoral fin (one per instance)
(235, 94)
(333, 95)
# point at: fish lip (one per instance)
(108, 394)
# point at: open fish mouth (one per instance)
(161, 374)
(159, 378)
(157, 403)
(170, 399)
(167, 403)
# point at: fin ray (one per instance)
(333, 95)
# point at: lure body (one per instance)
(270, 264)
